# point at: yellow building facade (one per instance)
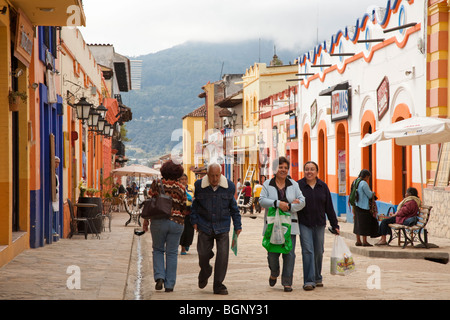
(259, 82)
(193, 135)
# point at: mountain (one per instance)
(171, 81)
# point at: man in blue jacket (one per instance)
(213, 208)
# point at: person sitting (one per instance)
(407, 212)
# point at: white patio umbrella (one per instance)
(412, 131)
(136, 170)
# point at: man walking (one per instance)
(213, 208)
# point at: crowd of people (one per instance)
(209, 208)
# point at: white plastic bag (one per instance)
(341, 258)
(277, 236)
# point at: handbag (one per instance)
(341, 258)
(157, 207)
(373, 207)
(286, 246)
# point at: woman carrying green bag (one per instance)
(283, 196)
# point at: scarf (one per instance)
(417, 200)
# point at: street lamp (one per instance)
(234, 118)
(107, 130)
(101, 125)
(83, 107)
(93, 118)
(102, 110)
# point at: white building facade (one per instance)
(367, 76)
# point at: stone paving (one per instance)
(118, 267)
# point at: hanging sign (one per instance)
(383, 98)
(23, 48)
(292, 126)
(340, 105)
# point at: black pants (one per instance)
(246, 201)
(188, 233)
(205, 244)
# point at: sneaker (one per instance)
(308, 287)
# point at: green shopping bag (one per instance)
(277, 237)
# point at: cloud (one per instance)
(138, 27)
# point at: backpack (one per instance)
(354, 192)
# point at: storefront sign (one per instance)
(313, 114)
(383, 98)
(24, 39)
(292, 127)
(340, 105)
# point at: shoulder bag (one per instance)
(159, 206)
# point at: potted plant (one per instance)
(14, 101)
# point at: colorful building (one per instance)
(193, 134)
(438, 156)
(368, 76)
(259, 82)
(23, 53)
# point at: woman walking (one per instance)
(312, 221)
(283, 193)
(188, 233)
(365, 224)
(166, 231)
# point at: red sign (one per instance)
(383, 98)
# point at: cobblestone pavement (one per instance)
(118, 267)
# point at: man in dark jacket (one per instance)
(213, 208)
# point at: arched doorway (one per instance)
(322, 151)
(401, 159)
(368, 154)
(342, 158)
(342, 165)
(306, 146)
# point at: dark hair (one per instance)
(412, 191)
(364, 174)
(247, 183)
(311, 162)
(171, 171)
(279, 161)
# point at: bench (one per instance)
(412, 233)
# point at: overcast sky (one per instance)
(139, 27)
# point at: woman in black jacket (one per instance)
(312, 222)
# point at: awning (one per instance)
(329, 91)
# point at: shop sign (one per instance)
(292, 127)
(24, 39)
(383, 98)
(340, 105)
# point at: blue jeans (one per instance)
(288, 264)
(165, 240)
(312, 240)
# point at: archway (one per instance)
(368, 154)
(306, 146)
(322, 151)
(401, 159)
